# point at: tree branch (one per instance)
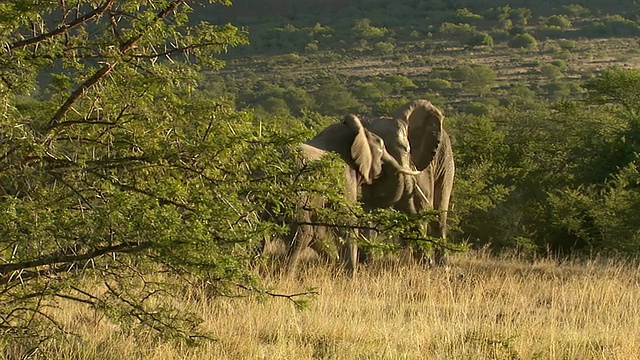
(162, 201)
(64, 258)
(62, 28)
(106, 69)
(177, 50)
(77, 93)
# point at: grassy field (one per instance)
(478, 308)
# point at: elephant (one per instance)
(366, 161)
(429, 152)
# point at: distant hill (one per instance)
(250, 12)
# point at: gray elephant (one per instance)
(366, 162)
(429, 152)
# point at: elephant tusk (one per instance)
(421, 194)
(408, 172)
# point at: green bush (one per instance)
(383, 48)
(333, 97)
(399, 83)
(479, 39)
(567, 44)
(561, 64)
(557, 90)
(362, 28)
(550, 71)
(611, 26)
(565, 180)
(523, 41)
(466, 16)
(458, 31)
(575, 10)
(438, 84)
(385, 106)
(311, 47)
(369, 92)
(477, 108)
(477, 78)
(275, 106)
(560, 21)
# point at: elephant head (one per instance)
(420, 123)
(363, 151)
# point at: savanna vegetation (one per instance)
(142, 142)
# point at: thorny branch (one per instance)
(65, 259)
(106, 69)
(62, 28)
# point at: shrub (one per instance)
(438, 84)
(311, 47)
(369, 91)
(400, 83)
(480, 39)
(332, 97)
(466, 16)
(567, 44)
(362, 28)
(560, 64)
(523, 41)
(275, 106)
(477, 108)
(478, 78)
(557, 90)
(575, 10)
(551, 72)
(609, 26)
(383, 47)
(457, 30)
(385, 106)
(560, 21)
(289, 58)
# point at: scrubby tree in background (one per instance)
(523, 41)
(562, 178)
(479, 39)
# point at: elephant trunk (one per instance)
(388, 159)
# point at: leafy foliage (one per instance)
(115, 166)
(480, 39)
(523, 41)
(568, 177)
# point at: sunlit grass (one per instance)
(478, 308)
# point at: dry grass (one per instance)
(480, 308)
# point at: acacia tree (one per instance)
(119, 180)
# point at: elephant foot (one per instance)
(365, 256)
(440, 257)
(437, 258)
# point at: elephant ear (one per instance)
(424, 122)
(366, 150)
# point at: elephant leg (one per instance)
(351, 255)
(324, 245)
(442, 195)
(299, 239)
(349, 251)
(439, 255)
(258, 251)
(366, 255)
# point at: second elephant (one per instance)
(430, 153)
(366, 161)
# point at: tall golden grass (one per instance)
(480, 307)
